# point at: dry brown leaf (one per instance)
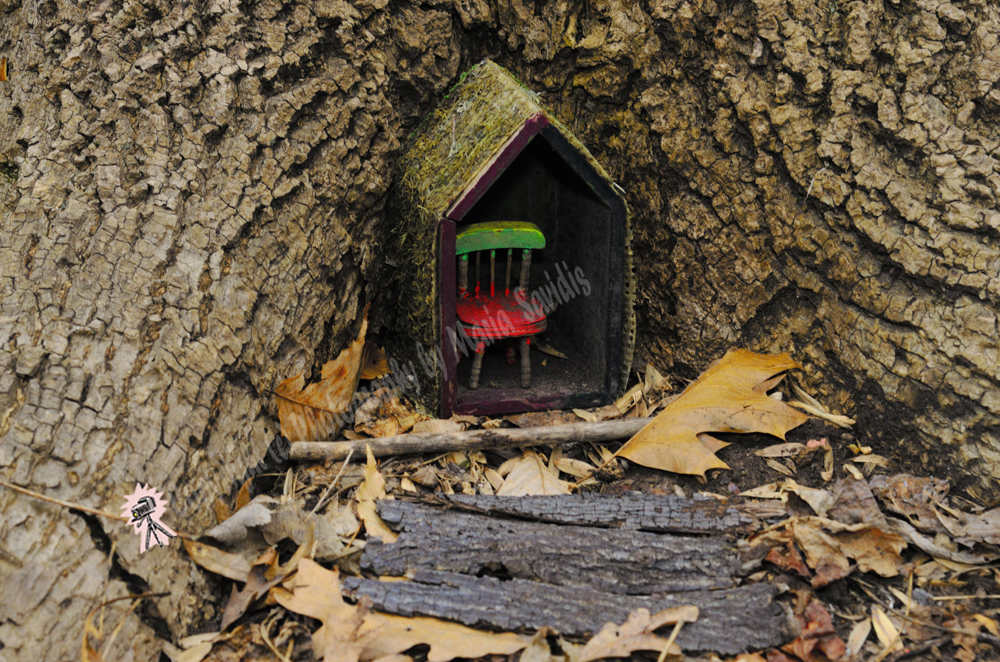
(222, 510)
(886, 632)
(830, 546)
(256, 586)
(213, 559)
(531, 476)
(373, 362)
(637, 633)
(730, 396)
(859, 634)
(370, 491)
(816, 632)
(779, 467)
(313, 413)
(790, 449)
(438, 426)
(575, 468)
(351, 633)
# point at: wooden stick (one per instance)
(433, 442)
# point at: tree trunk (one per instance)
(192, 209)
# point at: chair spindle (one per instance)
(525, 269)
(493, 270)
(463, 277)
(510, 253)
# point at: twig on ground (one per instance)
(471, 440)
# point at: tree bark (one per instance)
(192, 208)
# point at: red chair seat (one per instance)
(502, 316)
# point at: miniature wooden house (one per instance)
(492, 157)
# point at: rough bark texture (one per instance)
(646, 512)
(730, 621)
(618, 561)
(191, 208)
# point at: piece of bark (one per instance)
(730, 621)
(615, 561)
(471, 440)
(664, 513)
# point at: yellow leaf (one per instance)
(730, 396)
(370, 491)
(637, 633)
(988, 623)
(373, 362)
(313, 413)
(859, 634)
(531, 476)
(886, 632)
(350, 633)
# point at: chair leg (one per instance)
(477, 366)
(525, 363)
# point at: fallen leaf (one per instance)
(352, 632)
(531, 476)
(547, 349)
(790, 449)
(913, 497)
(213, 559)
(534, 419)
(575, 468)
(438, 426)
(780, 468)
(255, 514)
(636, 633)
(830, 546)
(243, 497)
(627, 401)
(857, 475)
(373, 362)
(370, 491)
(859, 634)
(941, 554)
(817, 632)
(222, 510)
(730, 396)
(988, 623)
(239, 601)
(886, 632)
(314, 412)
(871, 459)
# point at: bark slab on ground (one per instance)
(667, 513)
(730, 621)
(612, 561)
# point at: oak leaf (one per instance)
(315, 412)
(730, 396)
(353, 633)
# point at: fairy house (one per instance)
(491, 156)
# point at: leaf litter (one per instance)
(827, 535)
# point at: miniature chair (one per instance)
(491, 314)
